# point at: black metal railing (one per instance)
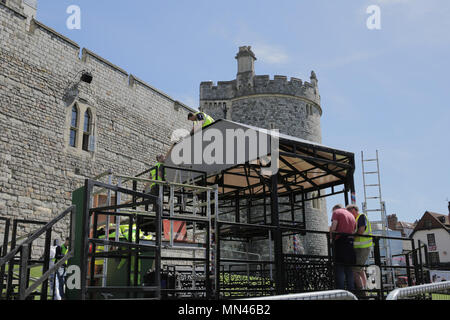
(21, 255)
(302, 272)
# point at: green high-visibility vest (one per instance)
(112, 237)
(64, 251)
(208, 119)
(124, 231)
(361, 241)
(155, 174)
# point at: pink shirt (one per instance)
(345, 221)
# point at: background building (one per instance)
(405, 228)
(433, 230)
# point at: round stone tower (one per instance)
(292, 107)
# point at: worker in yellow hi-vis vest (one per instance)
(198, 117)
(102, 235)
(362, 245)
(65, 248)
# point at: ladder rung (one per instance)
(370, 160)
(373, 198)
(371, 185)
(371, 210)
(370, 172)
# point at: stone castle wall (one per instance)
(132, 121)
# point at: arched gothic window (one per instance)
(74, 126)
(87, 130)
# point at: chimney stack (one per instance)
(392, 221)
(246, 67)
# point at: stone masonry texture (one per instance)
(38, 169)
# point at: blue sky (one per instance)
(385, 90)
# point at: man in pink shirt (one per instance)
(342, 221)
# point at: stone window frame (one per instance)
(87, 132)
(315, 203)
(81, 146)
(74, 128)
(309, 110)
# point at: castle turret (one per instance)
(290, 105)
(246, 67)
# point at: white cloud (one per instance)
(270, 54)
(393, 1)
(351, 58)
(264, 50)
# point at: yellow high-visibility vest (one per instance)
(123, 235)
(207, 119)
(112, 236)
(361, 241)
(155, 175)
(142, 236)
(64, 250)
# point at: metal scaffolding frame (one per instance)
(192, 205)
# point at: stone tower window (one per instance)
(87, 130)
(80, 121)
(74, 126)
(315, 202)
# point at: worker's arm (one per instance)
(333, 228)
(361, 230)
(170, 150)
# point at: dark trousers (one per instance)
(146, 224)
(345, 258)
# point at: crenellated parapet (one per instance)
(262, 84)
(224, 90)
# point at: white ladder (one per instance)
(373, 204)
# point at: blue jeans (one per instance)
(344, 273)
(58, 284)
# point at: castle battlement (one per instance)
(88, 59)
(262, 84)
